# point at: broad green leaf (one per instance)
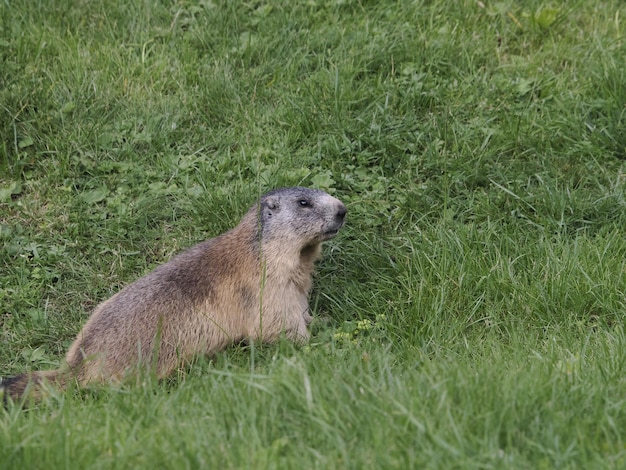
(95, 196)
(546, 16)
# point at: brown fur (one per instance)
(249, 283)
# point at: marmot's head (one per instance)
(300, 217)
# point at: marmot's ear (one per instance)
(271, 204)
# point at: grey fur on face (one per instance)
(312, 214)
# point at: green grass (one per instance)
(470, 314)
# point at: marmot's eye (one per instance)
(304, 202)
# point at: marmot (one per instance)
(250, 283)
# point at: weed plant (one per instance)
(471, 313)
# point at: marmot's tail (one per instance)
(30, 384)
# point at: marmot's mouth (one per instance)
(330, 233)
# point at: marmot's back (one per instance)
(249, 283)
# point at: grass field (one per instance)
(469, 315)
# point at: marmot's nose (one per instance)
(341, 212)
